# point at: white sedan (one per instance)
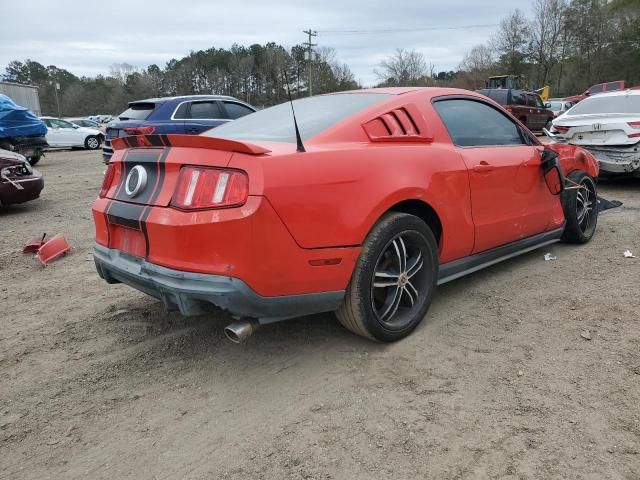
(61, 133)
(608, 126)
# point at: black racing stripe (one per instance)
(166, 140)
(148, 158)
(154, 197)
(121, 181)
(125, 214)
(155, 140)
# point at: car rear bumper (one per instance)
(617, 159)
(191, 293)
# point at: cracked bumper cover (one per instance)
(192, 293)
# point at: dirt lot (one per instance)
(97, 381)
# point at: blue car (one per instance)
(190, 115)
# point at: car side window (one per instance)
(205, 110)
(47, 122)
(60, 123)
(181, 112)
(596, 89)
(538, 101)
(472, 123)
(519, 98)
(235, 110)
(614, 86)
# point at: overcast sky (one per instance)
(87, 37)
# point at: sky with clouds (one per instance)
(87, 37)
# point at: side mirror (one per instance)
(552, 172)
(547, 105)
(75, 126)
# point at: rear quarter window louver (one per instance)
(404, 124)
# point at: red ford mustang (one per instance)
(383, 195)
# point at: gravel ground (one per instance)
(527, 370)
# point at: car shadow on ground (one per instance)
(26, 208)
(149, 334)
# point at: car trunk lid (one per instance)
(609, 129)
(148, 170)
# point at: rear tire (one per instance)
(580, 207)
(394, 280)
(92, 142)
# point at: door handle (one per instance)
(483, 167)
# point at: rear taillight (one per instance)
(107, 180)
(140, 130)
(561, 129)
(201, 187)
(635, 126)
(509, 109)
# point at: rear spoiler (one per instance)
(190, 141)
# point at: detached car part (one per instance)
(52, 249)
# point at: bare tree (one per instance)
(120, 71)
(478, 63)
(403, 68)
(511, 42)
(546, 28)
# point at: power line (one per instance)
(404, 30)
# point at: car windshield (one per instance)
(607, 104)
(555, 106)
(137, 111)
(313, 115)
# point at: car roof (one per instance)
(183, 97)
(616, 93)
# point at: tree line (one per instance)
(568, 44)
(255, 74)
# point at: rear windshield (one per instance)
(137, 111)
(313, 114)
(607, 104)
(500, 96)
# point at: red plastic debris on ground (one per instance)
(34, 244)
(52, 249)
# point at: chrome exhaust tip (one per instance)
(240, 330)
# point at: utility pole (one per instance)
(56, 87)
(310, 46)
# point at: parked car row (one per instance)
(63, 133)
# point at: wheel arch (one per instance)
(422, 210)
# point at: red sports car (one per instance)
(366, 204)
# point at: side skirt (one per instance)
(464, 266)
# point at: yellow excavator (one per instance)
(517, 82)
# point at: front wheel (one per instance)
(580, 205)
(92, 142)
(394, 280)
